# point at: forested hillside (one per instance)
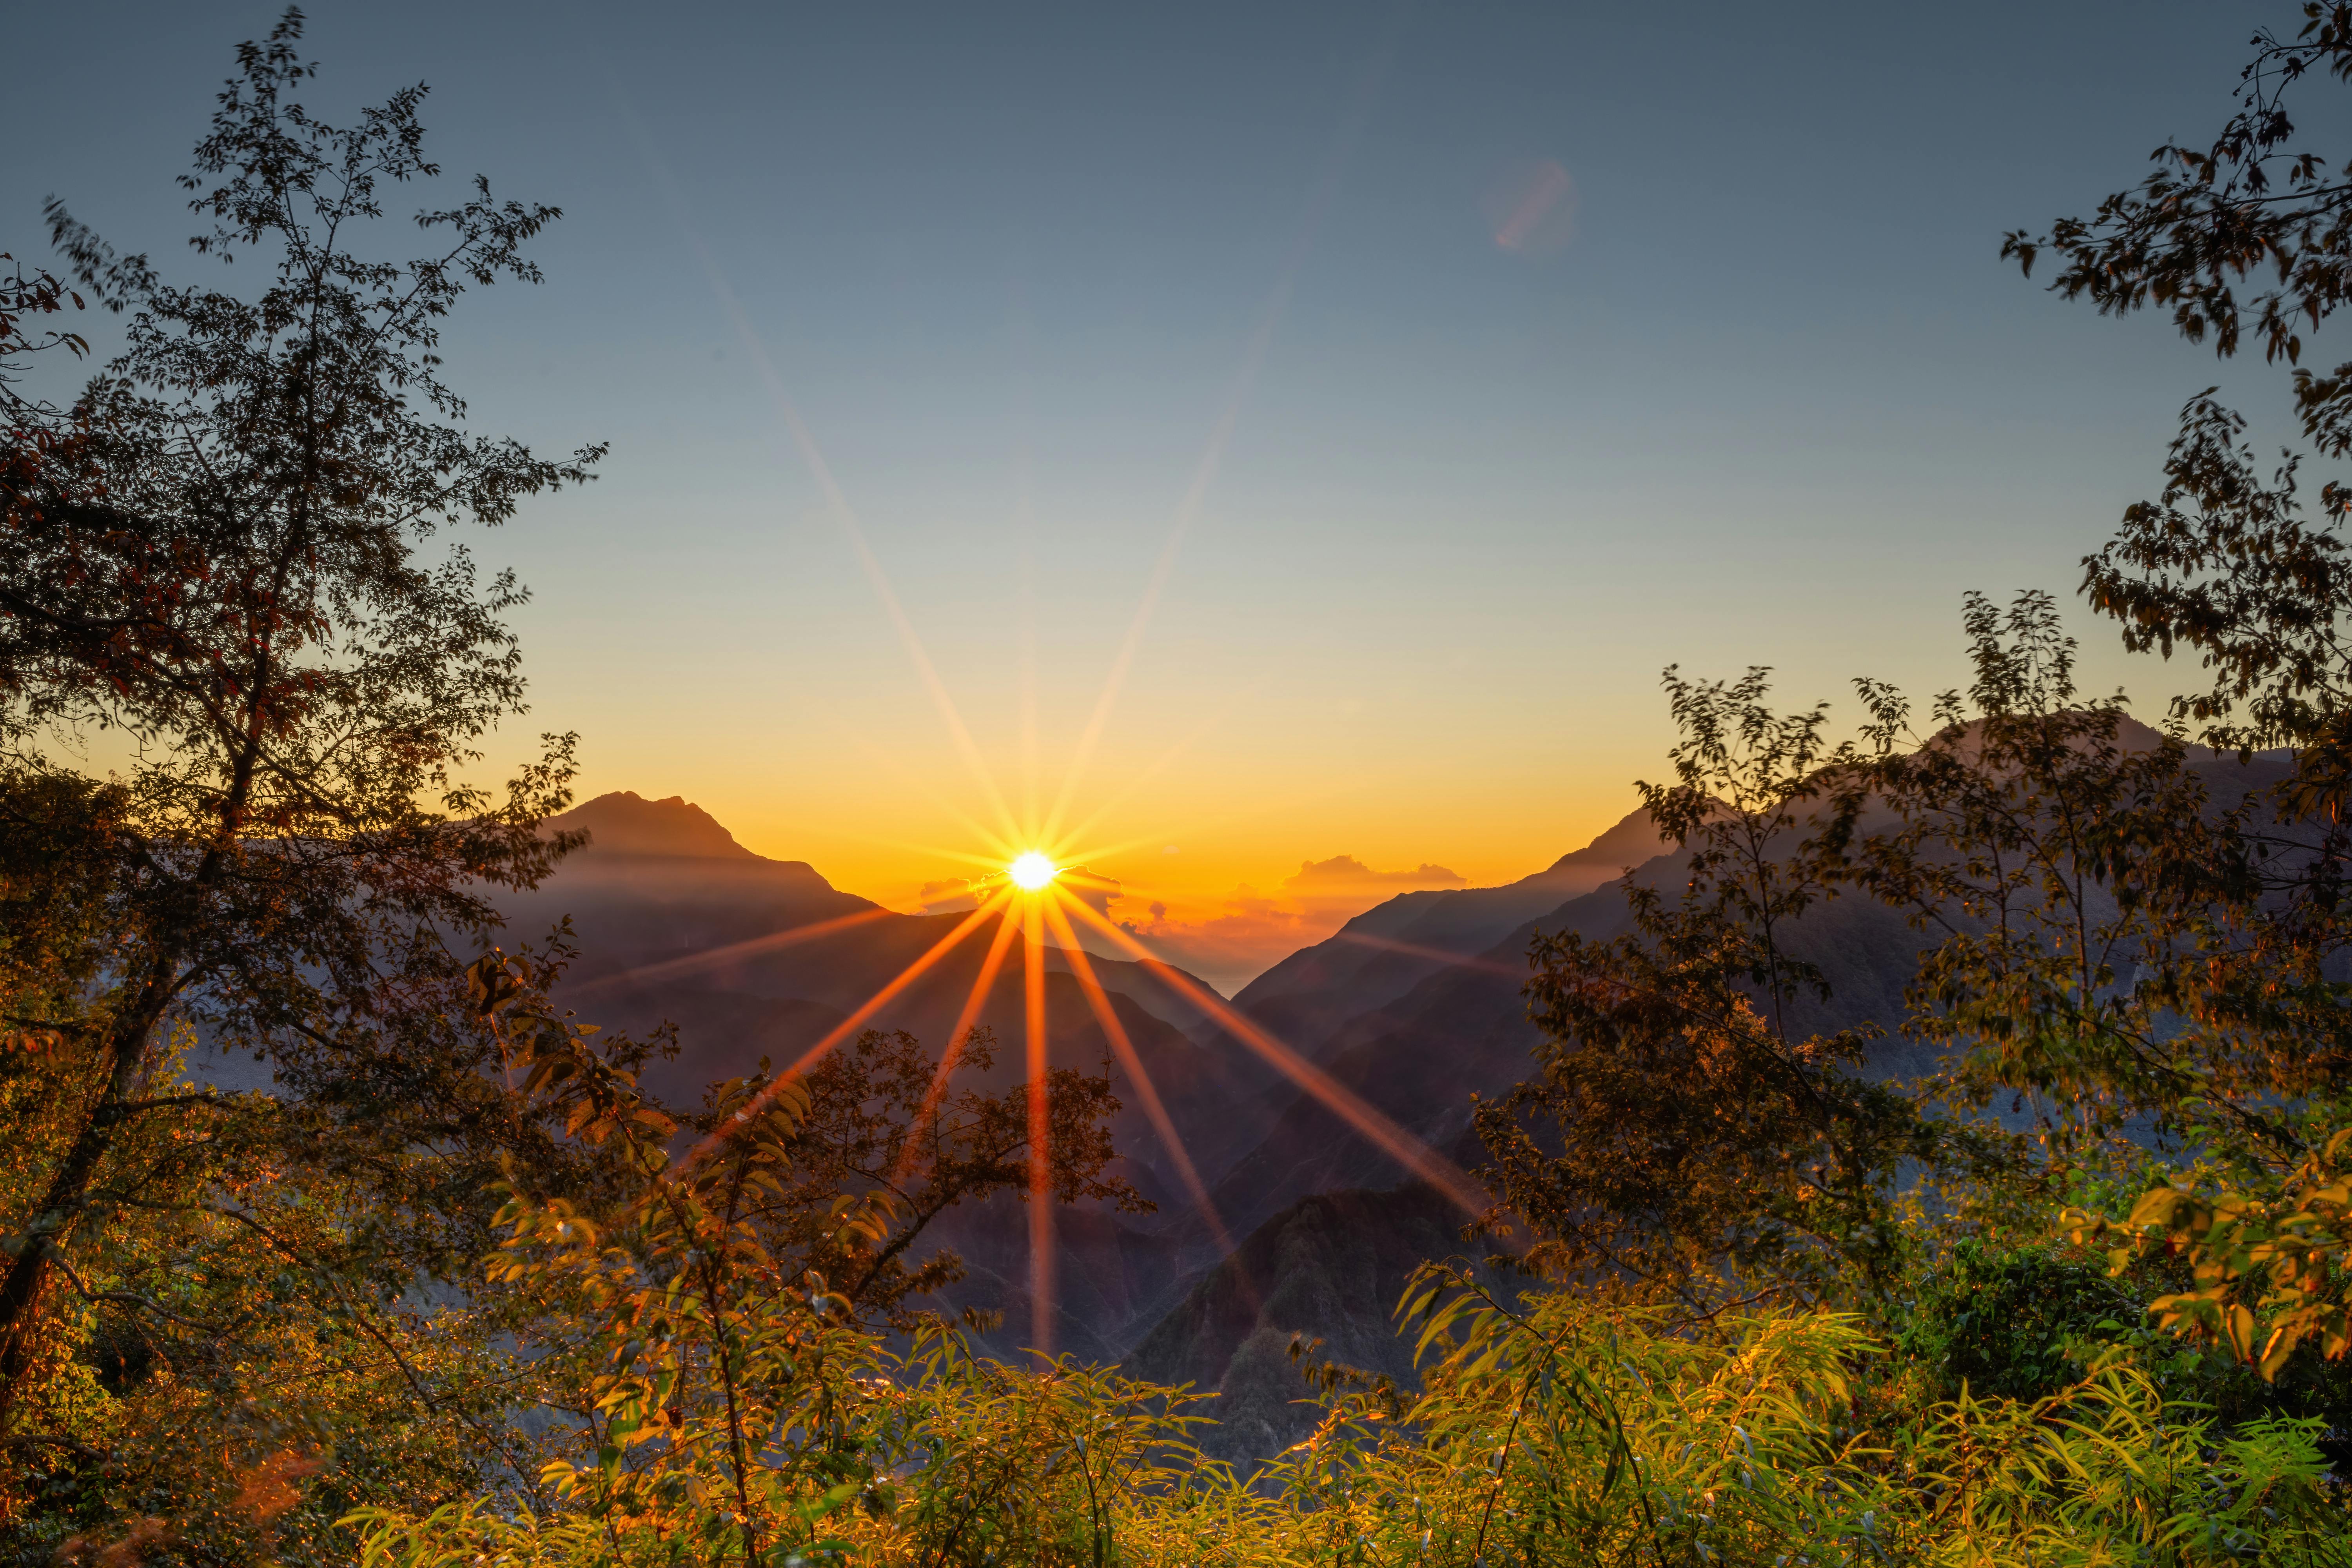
(1931, 1144)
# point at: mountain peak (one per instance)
(1634, 840)
(625, 823)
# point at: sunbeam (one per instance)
(1435, 955)
(1165, 761)
(951, 1054)
(851, 1024)
(1245, 381)
(1263, 808)
(1124, 1049)
(907, 778)
(1028, 854)
(837, 500)
(1393, 1140)
(1041, 1126)
(713, 957)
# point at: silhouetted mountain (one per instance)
(1384, 952)
(626, 823)
(1416, 1005)
(1419, 1054)
(1330, 1267)
(754, 958)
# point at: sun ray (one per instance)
(1393, 1140)
(1124, 1049)
(837, 500)
(1337, 157)
(909, 779)
(1165, 761)
(1028, 661)
(852, 1024)
(952, 1053)
(1040, 1214)
(966, 747)
(1080, 853)
(993, 862)
(1436, 954)
(712, 957)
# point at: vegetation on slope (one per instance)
(456, 1289)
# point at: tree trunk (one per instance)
(28, 1271)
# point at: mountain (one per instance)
(1414, 1006)
(1429, 1034)
(626, 823)
(1382, 953)
(755, 958)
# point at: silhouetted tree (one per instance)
(1687, 1133)
(880, 1153)
(227, 568)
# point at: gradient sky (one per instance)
(1478, 359)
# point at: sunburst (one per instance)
(1039, 895)
(1032, 869)
(1034, 883)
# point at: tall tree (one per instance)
(2247, 240)
(233, 567)
(1689, 1133)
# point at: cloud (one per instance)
(1345, 876)
(949, 896)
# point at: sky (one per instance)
(1342, 413)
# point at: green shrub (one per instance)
(2011, 1322)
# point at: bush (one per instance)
(2013, 1323)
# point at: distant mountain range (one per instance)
(1414, 1006)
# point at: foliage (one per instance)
(1562, 1432)
(2227, 565)
(730, 1405)
(885, 1138)
(1688, 1131)
(2207, 220)
(452, 1289)
(218, 551)
(2015, 1324)
(2104, 946)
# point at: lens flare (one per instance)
(1031, 871)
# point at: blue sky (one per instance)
(1770, 398)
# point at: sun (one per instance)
(1031, 871)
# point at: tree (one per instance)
(715, 1326)
(2100, 954)
(1688, 1133)
(881, 1148)
(2229, 565)
(2209, 221)
(225, 565)
(225, 556)
(2225, 565)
